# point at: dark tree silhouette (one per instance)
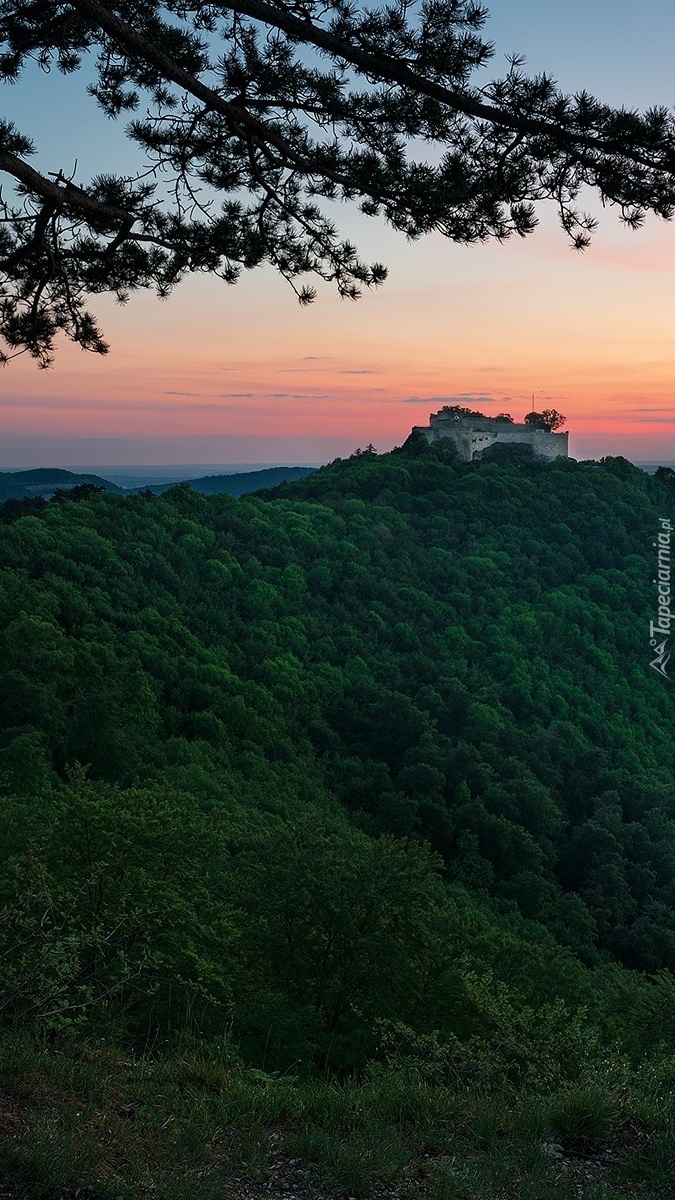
(550, 418)
(460, 410)
(251, 112)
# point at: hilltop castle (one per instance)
(475, 434)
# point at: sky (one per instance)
(245, 375)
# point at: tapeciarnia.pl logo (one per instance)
(661, 627)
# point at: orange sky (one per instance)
(244, 374)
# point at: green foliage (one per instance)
(375, 756)
(337, 931)
(511, 1047)
(111, 908)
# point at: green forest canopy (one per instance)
(368, 751)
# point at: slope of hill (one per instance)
(239, 484)
(372, 772)
(44, 481)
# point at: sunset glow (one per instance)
(244, 374)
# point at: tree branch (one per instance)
(67, 196)
(41, 223)
(139, 46)
(397, 72)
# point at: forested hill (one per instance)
(256, 690)
(238, 484)
(44, 481)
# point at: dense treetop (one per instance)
(250, 115)
(311, 759)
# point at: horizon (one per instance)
(145, 454)
(142, 468)
(182, 471)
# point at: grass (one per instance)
(583, 1118)
(85, 1120)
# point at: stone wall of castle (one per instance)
(473, 435)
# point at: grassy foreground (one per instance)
(82, 1120)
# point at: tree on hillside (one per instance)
(550, 418)
(249, 113)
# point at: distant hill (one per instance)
(651, 467)
(44, 481)
(240, 484)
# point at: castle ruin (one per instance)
(473, 435)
